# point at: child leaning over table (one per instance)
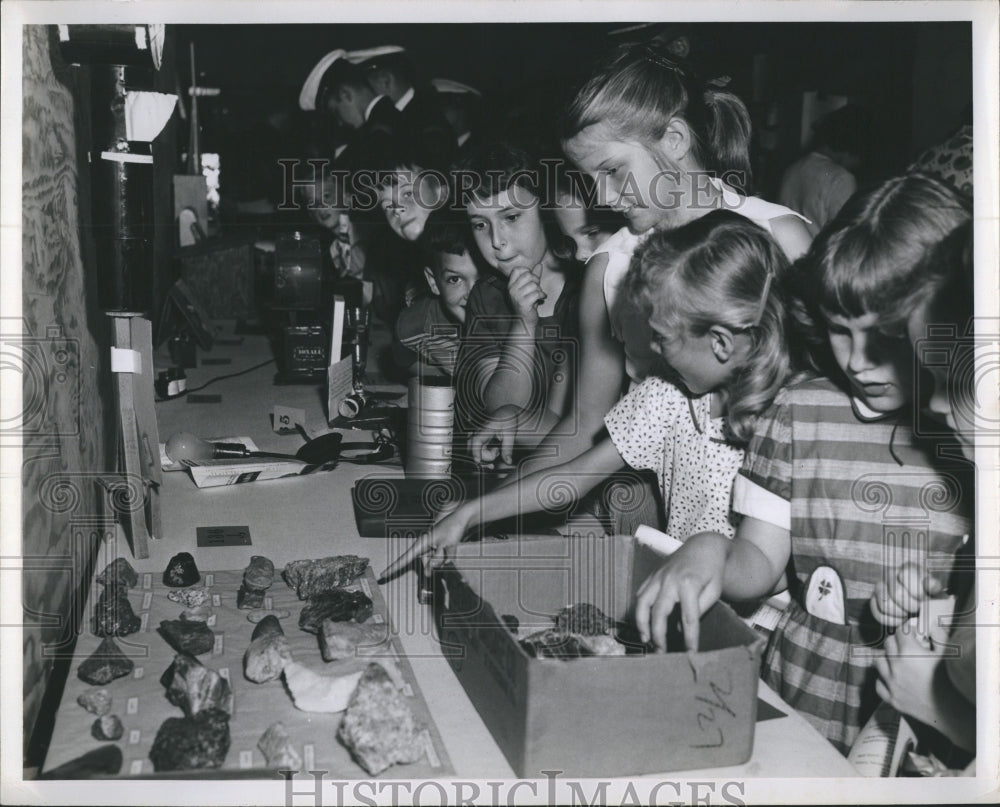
(835, 486)
(428, 333)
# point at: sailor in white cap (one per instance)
(339, 86)
(461, 105)
(390, 73)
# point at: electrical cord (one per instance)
(217, 378)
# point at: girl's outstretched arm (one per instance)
(542, 490)
(598, 381)
(707, 567)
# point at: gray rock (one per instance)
(187, 636)
(310, 578)
(337, 604)
(195, 688)
(268, 652)
(105, 665)
(339, 640)
(95, 701)
(191, 743)
(118, 574)
(113, 614)
(259, 575)
(107, 728)
(379, 728)
(277, 748)
(249, 599)
(181, 571)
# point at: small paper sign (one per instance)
(286, 418)
(223, 536)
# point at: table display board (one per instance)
(139, 699)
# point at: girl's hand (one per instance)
(912, 678)
(450, 527)
(495, 440)
(526, 294)
(899, 599)
(692, 577)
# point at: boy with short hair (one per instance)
(428, 332)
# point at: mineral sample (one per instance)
(190, 743)
(200, 613)
(277, 748)
(268, 652)
(312, 577)
(95, 701)
(195, 688)
(313, 692)
(113, 614)
(181, 571)
(259, 575)
(339, 640)
(107, 728)
(188, 637)
(585, 619)
(378, 727)
(337, 604)
(106, 760)
(247, 599)
(553, 643)
(191, 597)
(105, 665)
(118, 574)
(603, 645)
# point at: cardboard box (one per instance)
(599, 716)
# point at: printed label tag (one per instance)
(147, 600)
(377, 619)
(224, 672)
(138, 673)
(407, 690)
(144, 622)
(268, 603)
(217, 650)
(246, 759)
(135, 768)
(147, 582)
(210, 621)
(133, 737)
(209, 580)
(309, 756)
(132, 707)
(216, 600)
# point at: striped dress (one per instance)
(858, 494)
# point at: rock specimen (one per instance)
(603, 645)
(190, 743)
(268, 652)
(338, 604)
(105, 665)
(186, 636)
(378, 727)
(339, 640)
(248, 599)
(199, 614)
(113, 614)
(553, 643)
(107, 728)
(104, 761)
(313, 692)
(191, 597)
(181, 571)
(259, 575)
(312, 577)
(118, 574)
(584, 619)
(277, 748)
(95, 701)
(196, 688)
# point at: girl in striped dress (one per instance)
(836, 489)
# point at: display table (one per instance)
(311, 517)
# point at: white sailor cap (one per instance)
(307, 96)
(448, 85)
(370, 54)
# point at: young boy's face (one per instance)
(408, 200)
(452, 280)
(508, 229)
(878, 368)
